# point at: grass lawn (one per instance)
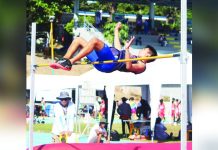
(170, 38)
(174, 43)
(46, 128)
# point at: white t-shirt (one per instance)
(64, 118)
(93, 137)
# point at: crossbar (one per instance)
(120, 60)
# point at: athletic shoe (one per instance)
(63, 63)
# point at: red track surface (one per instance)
(124, 146)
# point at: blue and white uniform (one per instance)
(109, 53)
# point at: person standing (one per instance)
(145, 27)
(133, 106)
(145, 110)
(42, 112)
(102, 109)
(161, 110)
(64, 113)
(173, 110)
(96, 108)
(124, 110)
(177, 111)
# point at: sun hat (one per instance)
(64, 95)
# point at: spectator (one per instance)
(64, 113)
(139, 24)
(164, 41)
(173, 110)
(161, 113)
(133, 105)
(160, 38)
(146, 26)
(96, 108)
(97, 132)
(102, 109)
(159, 131)
(124, 110)
(144, 110)
(88, 109)
(138, 41)
(177, 114)
(43, 106)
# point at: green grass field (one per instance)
(46, 128)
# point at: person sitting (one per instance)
(159, 131)
(97, 132)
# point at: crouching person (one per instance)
(98, 132)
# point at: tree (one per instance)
(109, 32)
(40, 10)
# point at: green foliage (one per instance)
(104, 6)
(69, 27)
(40, 10)
(174, 17)
(189, 13)
(132, 9)
(109, 32)
(90, 19)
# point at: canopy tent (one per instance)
(48, 82)
(49, 86)
(158, 73)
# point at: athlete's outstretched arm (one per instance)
(135, 68)
(117, 44)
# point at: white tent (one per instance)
(49, 86)
(47, 82)
(159, 72)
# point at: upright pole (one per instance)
(32, 89)
(183, 63)
(75, 10)
(51, 19)
(151, 15)
(52, 42)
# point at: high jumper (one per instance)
(97, 50)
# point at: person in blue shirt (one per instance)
(97, 50)
(159, 131)
(124, 110)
